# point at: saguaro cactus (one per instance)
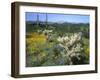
(37, 20)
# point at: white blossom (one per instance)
(67, 42)
(47, 31)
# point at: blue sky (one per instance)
(31, 16)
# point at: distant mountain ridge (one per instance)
(34, 22)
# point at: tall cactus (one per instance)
(46, 20)
(37, 20)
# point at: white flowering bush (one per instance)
(73, 48)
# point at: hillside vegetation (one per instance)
(56, 44)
